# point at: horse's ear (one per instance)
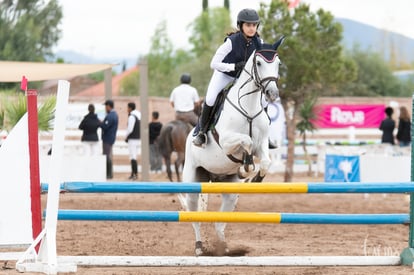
(278, 42)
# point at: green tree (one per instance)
(28, 29)
(312, 54)
(207, 33)
(130, 84)
(227, 4)
(163, 61)
(166, 64)
(13, 107)
(374, 77)
(307, 115)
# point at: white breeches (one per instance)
(91, 148)
(133, 148)
(217, 83)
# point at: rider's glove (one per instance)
(239, 66)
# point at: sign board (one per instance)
(343, 116)
(342, 168)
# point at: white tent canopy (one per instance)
(12, 71)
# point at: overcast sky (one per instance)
(123, 28)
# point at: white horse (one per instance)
(241, 133)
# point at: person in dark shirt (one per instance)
(387, 127)
(154, 131)
(109, 128)
(404, 128)
(89, 125)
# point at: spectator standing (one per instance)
(184, 99)
(133, 136)
(89, 125)
(154, 131)
(109, 128)
(404, 128)
(387, 127)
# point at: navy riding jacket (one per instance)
(241, 49)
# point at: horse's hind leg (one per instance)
(192, 202)
(167, 160)
(178, 163)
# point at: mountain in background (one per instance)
(387, 44)
(78, 58)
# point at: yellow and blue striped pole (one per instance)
(235, 187)
(232, 217)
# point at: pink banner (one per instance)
(340, 116)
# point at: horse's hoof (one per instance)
(199, 252)
(199, 248)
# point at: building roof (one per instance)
(13, 71)
(99, 88)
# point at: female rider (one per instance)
(227, 63)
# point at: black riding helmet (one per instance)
(185, 78)
(247, 16)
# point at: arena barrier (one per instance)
(47, 260)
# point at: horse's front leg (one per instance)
(239, 144)
(264, 157)
(192, 204)
(228, 204)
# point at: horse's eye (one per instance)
(258, 63)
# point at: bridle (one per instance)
(268, 56)
(261, 84)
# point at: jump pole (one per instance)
(231, 217)
(170, 261)
(234, 187)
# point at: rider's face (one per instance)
(249, 29)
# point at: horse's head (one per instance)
(266, 69)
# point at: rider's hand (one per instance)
(239, 66)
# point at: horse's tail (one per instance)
(165, 141)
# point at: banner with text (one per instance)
(340, 116)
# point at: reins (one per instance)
(254, 76)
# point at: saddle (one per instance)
(218, 106)
(216, 111)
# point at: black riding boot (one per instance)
(109, 174)
(200, 139)
(134, 169)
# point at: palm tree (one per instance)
(307, 115)
(13, 111)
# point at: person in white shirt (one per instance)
(133, 136)
(184, 98)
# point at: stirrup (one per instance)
(200, 140)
